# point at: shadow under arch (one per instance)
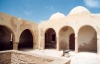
(50, 39)
(65, 41)
(87, 39)
(6, 38)
(26, 40)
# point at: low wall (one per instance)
(5, 57)
(18, 57)
(15, 57)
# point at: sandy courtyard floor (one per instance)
(80, 58)
(86, 58)
(50, 52)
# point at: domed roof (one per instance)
(79, 9)
(57, 15)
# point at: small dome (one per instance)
(79, 9)
(57, 15)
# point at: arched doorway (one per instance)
(6, 38)
(87, 39)
(64, 37)
(26, 40)
(50, 39)
(72, 42)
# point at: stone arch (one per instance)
(26, 40)
(50, 39)
(87, 39)
(7, 38)
(64, 37)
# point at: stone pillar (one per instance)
(15, 46)
(42, 39)
(98, 46)
(57, 43)
(76, 44)
(42, 43)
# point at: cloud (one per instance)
(92, 3)
(27, 12)
(50, 8)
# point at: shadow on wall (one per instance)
(87, 39)
(91, 46)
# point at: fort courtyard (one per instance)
(22, 41)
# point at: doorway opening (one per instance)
(72, 42)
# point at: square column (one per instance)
(76, 44)
(57, 45)
(15, 46)
(41, 39)
(98, 46)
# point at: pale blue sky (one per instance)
(39, 10)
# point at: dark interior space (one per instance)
(72, 42)
(6, 41)
(50, 39)
(53, 37)
(26, 40)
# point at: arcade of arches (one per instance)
(6, 39)
(86, 40)
(66, 39)
(71, 32)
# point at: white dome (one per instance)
(79, 9)
(57, 15)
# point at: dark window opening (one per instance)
(53, 37)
